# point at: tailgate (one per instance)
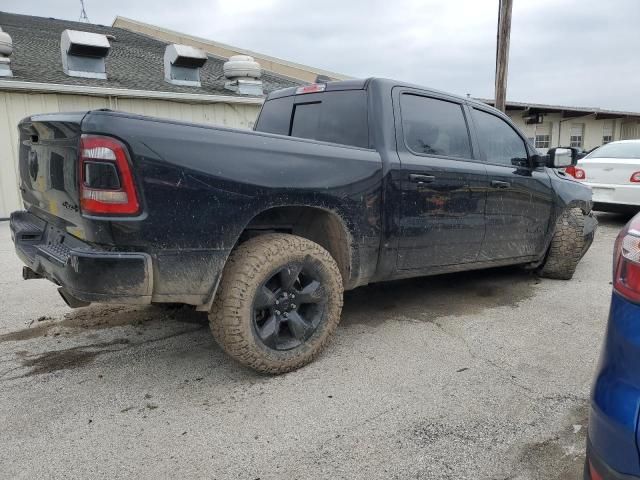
(612, 171)
(48, 164)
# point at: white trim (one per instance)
(85, 74)
(256, 55)
(11, 85)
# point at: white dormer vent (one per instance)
(182, 64)
(84, 53)
(6, 48)
(244, 75)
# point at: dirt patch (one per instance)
(560, 457)
(97, 317)
(428, 298)
(67, 359)
(76, 357)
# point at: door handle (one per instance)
(499, 184)
(418, 178)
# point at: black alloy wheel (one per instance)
(289, 306)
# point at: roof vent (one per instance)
(182, 64)
(6, 47)
(244, 75)
(83, 54)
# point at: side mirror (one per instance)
(561, 157)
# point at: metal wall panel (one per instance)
(14, 106)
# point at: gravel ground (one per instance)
(481, 375)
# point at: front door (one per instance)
(520, 197)
(443, 189)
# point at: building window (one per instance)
(543, 135)
(543, 141)
(577, 134)
(607, 132)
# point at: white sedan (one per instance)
(613, 173)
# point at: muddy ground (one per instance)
(481, 375)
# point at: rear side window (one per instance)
(498, 140)
(336, 117)
(434, 127)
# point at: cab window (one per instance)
(499, 142)
(434, 127)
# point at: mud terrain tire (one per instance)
(567, 246)
(268, 263)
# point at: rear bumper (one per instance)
(595, 462)
(615, 395)
(88, 273)
(615, 194)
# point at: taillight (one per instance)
(106, 182)
(626, 274)
(635, 178)
(593, 473)
(576, 172)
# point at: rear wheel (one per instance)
(566, 247)
(278, 304)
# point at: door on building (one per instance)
(629, 131)
(576, 135)
(543, 137)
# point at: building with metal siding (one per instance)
(135, 83)
(586, 128)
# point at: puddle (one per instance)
(427, 298)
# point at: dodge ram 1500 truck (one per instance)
(339, 185)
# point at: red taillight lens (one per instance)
(626, 276)
(313, 88)
(576, 172)
(593, 473)
(106, 182)
(635, 178)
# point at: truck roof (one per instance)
(361, 84)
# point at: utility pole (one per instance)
(502, 53)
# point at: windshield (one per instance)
(617, 150)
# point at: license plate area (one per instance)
(601, 194)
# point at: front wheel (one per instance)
(278, 304)
(567, 246)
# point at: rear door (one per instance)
(443, 187)
(520, 197)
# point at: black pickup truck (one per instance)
(339, 185)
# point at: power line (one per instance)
(83, 13)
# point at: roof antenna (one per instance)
(83, 13)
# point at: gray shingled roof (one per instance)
(134, 62)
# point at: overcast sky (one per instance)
(569, 52)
